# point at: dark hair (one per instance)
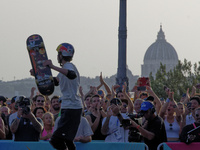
(40, 95)
(125, 101)
(66, 58)
(96, 95)
(195, 98)
(116, 101)
(89, 95)
(35, 110)
(54, 97)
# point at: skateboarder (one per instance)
(71, 105)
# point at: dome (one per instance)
(160, 51)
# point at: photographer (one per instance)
(153, 130)
(111, 124)
(26, 127)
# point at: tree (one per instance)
(183, 76)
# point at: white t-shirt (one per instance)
(115, 132)
(69, 88)
(189, 119)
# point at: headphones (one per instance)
(153, 110)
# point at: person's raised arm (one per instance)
(126, 96)
(156, 99)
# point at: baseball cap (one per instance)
(146, 106)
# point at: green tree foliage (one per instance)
(183, 76)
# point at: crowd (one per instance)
(110, 115)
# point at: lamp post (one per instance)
(122, 36)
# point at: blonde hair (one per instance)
(52, 117)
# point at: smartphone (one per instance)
(189, 105)
(142, 83)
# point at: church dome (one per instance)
(160, 51)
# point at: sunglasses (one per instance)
(40, 101)
(170, 125)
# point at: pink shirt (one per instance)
(44, 132)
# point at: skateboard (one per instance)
(37, 54)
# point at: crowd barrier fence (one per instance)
(94, 145)
(179, 146)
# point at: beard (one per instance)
(56, 108)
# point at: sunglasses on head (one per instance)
(40, 101)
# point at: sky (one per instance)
(91, 26)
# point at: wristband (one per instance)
(168, 100)
(18, 118)
(138, 127)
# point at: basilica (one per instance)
(159, 52)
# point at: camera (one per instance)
(24, 103)
(134, 134)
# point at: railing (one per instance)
(179, 146)
(94, 145)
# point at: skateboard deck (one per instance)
(37, 54)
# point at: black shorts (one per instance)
(68, 124)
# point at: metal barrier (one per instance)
(97, 145)
(178, 146)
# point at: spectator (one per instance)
(40, 101)
(48, 120)
(137, 105)
(5, 112)
(13, 105)
(193, 136)
(2, 129)
(111, 124)
(55, 106)
(84, 133)
(26, 126)
(191, 106)
(154, 129)
(8, 103)
(39, 112)
(3, 101)
(95, 118)
(172, 119)
(47, 103)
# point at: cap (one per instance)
(66, 49)
(146, 106)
